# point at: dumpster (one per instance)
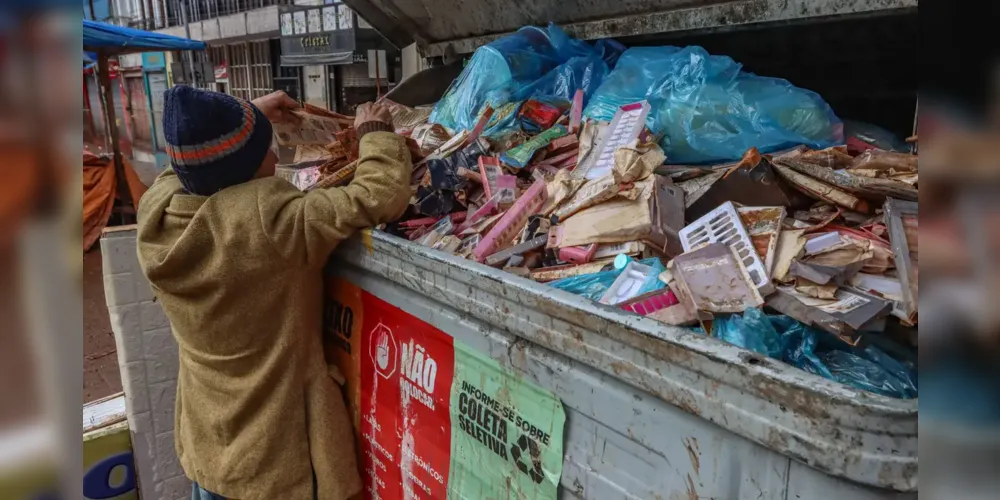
(470, 382)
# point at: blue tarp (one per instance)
(110, 39)
(89, 60)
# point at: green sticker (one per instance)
(507, 433)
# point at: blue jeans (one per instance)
(199, 493)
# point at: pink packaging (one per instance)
(578, 255)
(512, 222)
(651, 302)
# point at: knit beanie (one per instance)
(213, 140)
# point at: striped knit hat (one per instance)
(213, 140)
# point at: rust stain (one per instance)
(366, 241)
(682, 401)
(691, 491)
(619, 366)
(694, 454)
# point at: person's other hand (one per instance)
(370, 111)
(277, 107)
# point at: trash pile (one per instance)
(807, 254)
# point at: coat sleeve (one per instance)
(305, 227)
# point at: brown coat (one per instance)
(239, 275)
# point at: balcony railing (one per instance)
(200, 10)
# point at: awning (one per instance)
(312, 59)
(110, 39)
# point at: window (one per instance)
(250, 69)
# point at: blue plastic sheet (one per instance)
(708, 110)
(752, 331)
(871, 370)
(801, 351)
(591, 286)
(594, 285)
(781, 337)
(533, 62)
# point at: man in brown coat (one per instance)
(235, 257)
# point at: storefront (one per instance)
(138, 122)
(93, 120)
(359, 82)
(342, 60)
(154, 68)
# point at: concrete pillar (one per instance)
(147, 360)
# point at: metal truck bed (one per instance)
(653, 411)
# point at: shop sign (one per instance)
(153, 60)
(315, 34)
(435, 418)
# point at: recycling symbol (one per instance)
(524, 444)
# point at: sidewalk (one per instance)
(100, 360)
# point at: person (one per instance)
(234, 256)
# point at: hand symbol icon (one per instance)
(382, 352)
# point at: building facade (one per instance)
(317, 51)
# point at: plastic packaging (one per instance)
(594, 285)
(630, 283)
(534, 62)
(707, 109)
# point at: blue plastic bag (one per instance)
(561, 83)
(753, 331)
(801, 349)
(610, 50)
(874, 374)
(594, 285)
(591, 286)
(533, 62)
(869, 369)
(708, 110)
(814, 351)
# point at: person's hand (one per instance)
(277, 107)
(370, 111)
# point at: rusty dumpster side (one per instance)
(653, 411)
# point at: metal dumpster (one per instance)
(651, 411)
